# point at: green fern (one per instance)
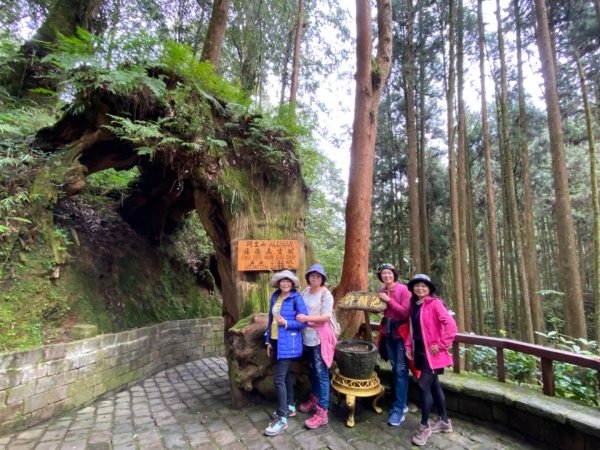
(147, 136)
(179, 58)
(120, 81)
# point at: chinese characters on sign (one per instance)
(267, 255)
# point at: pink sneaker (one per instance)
(421, 435)
(318, 418)
(310, 404)
(441, 427)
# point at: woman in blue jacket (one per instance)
(284, 341)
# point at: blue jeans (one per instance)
(319, 375)
(397, 356)
(284, 387)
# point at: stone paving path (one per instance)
(188, 407)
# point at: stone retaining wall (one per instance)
(549, 422)
(43, 382)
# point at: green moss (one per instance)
(27, 301)
(243, 322)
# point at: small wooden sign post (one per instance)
(258, 255)
(366, 302)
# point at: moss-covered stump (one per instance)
(249, 365)
(197, 147)
(250, 369)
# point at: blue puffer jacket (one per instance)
(289, 342)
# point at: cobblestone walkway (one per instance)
(188, 407)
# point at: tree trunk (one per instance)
(462, 168)
(530, 253)
(369, 83)
(64, 16)
(511, 196)
(492, 232)
(296, 63)
(423, 216)
(568, 261)
(454, 211)
(216, 32)
(411, 138)
(477, 323)
(594, 187)
(284, 72)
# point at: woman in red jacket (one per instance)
(432, 332)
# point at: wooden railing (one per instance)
(546, 354)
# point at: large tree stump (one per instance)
(250, 369)
(241, 175)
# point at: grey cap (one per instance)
(283, 275)
(421, 278)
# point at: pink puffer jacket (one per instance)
(438, 328)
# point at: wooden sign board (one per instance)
(362, 301)
(267, 255)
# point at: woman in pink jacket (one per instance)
(432, 332)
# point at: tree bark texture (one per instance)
(211, 51)
(462, 168)
(530, 252)
(296, 60)
(594, 187)
(568, 260)
(370, 79)
(455, 226)
(477, 322)
(411, 138)
(492, 231)
(510, 189)
(423, 216)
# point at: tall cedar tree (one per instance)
(370, 79)
(422, 90)
(216, 32)
(411, 136)
(455, 235)
(594, 185)
(530, 250)
(568, 259)
(296, 63)
(462, 168)
(511, 193)
(492, 232)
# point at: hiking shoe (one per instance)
(309, 405)
(276, 427)
(405, 410)
(441, 427)
(318, 418)
(421, 435)
(395, 418)
(291, 412)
